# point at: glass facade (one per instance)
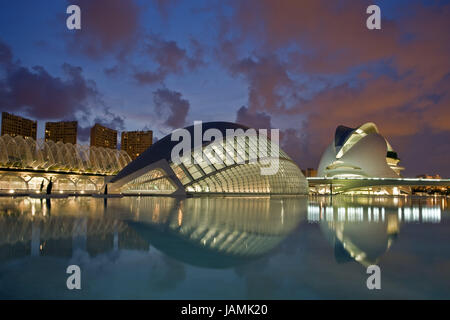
(232, 166)
(154, 181)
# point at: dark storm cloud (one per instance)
(257, 120)
(269, 82)
(294, 143)
(149, 77)
(40, 95)
(113, 28)
(109, 119)
(385, 76)
(109, 27)
(169, 58)
(171, 104)
(35, 92)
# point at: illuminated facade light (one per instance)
(27, 153)
(71, 167)
(197, 173)
(361, 153)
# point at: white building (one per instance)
(360, 153)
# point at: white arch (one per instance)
(19, 152)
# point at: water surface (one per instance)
(225, 248)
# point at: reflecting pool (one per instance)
(225, 248)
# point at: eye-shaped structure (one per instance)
(199, 172)
(214, 232)
(360, 152)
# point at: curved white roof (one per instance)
(359, 152)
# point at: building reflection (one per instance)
(216, 232)
(208, 232)
(30, 227)
(363, 229)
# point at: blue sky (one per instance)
(303, 67)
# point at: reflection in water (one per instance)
(363, 229)
(215, 232)
(28, 228)
(209, 232)
(236, 248)
(318, 213)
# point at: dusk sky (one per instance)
(304, 67)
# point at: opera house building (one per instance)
(361, 153)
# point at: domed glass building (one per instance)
(198, 172)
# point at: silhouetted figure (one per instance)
(50, 186)
(42, 186)
(48, 204)
(106, 189)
